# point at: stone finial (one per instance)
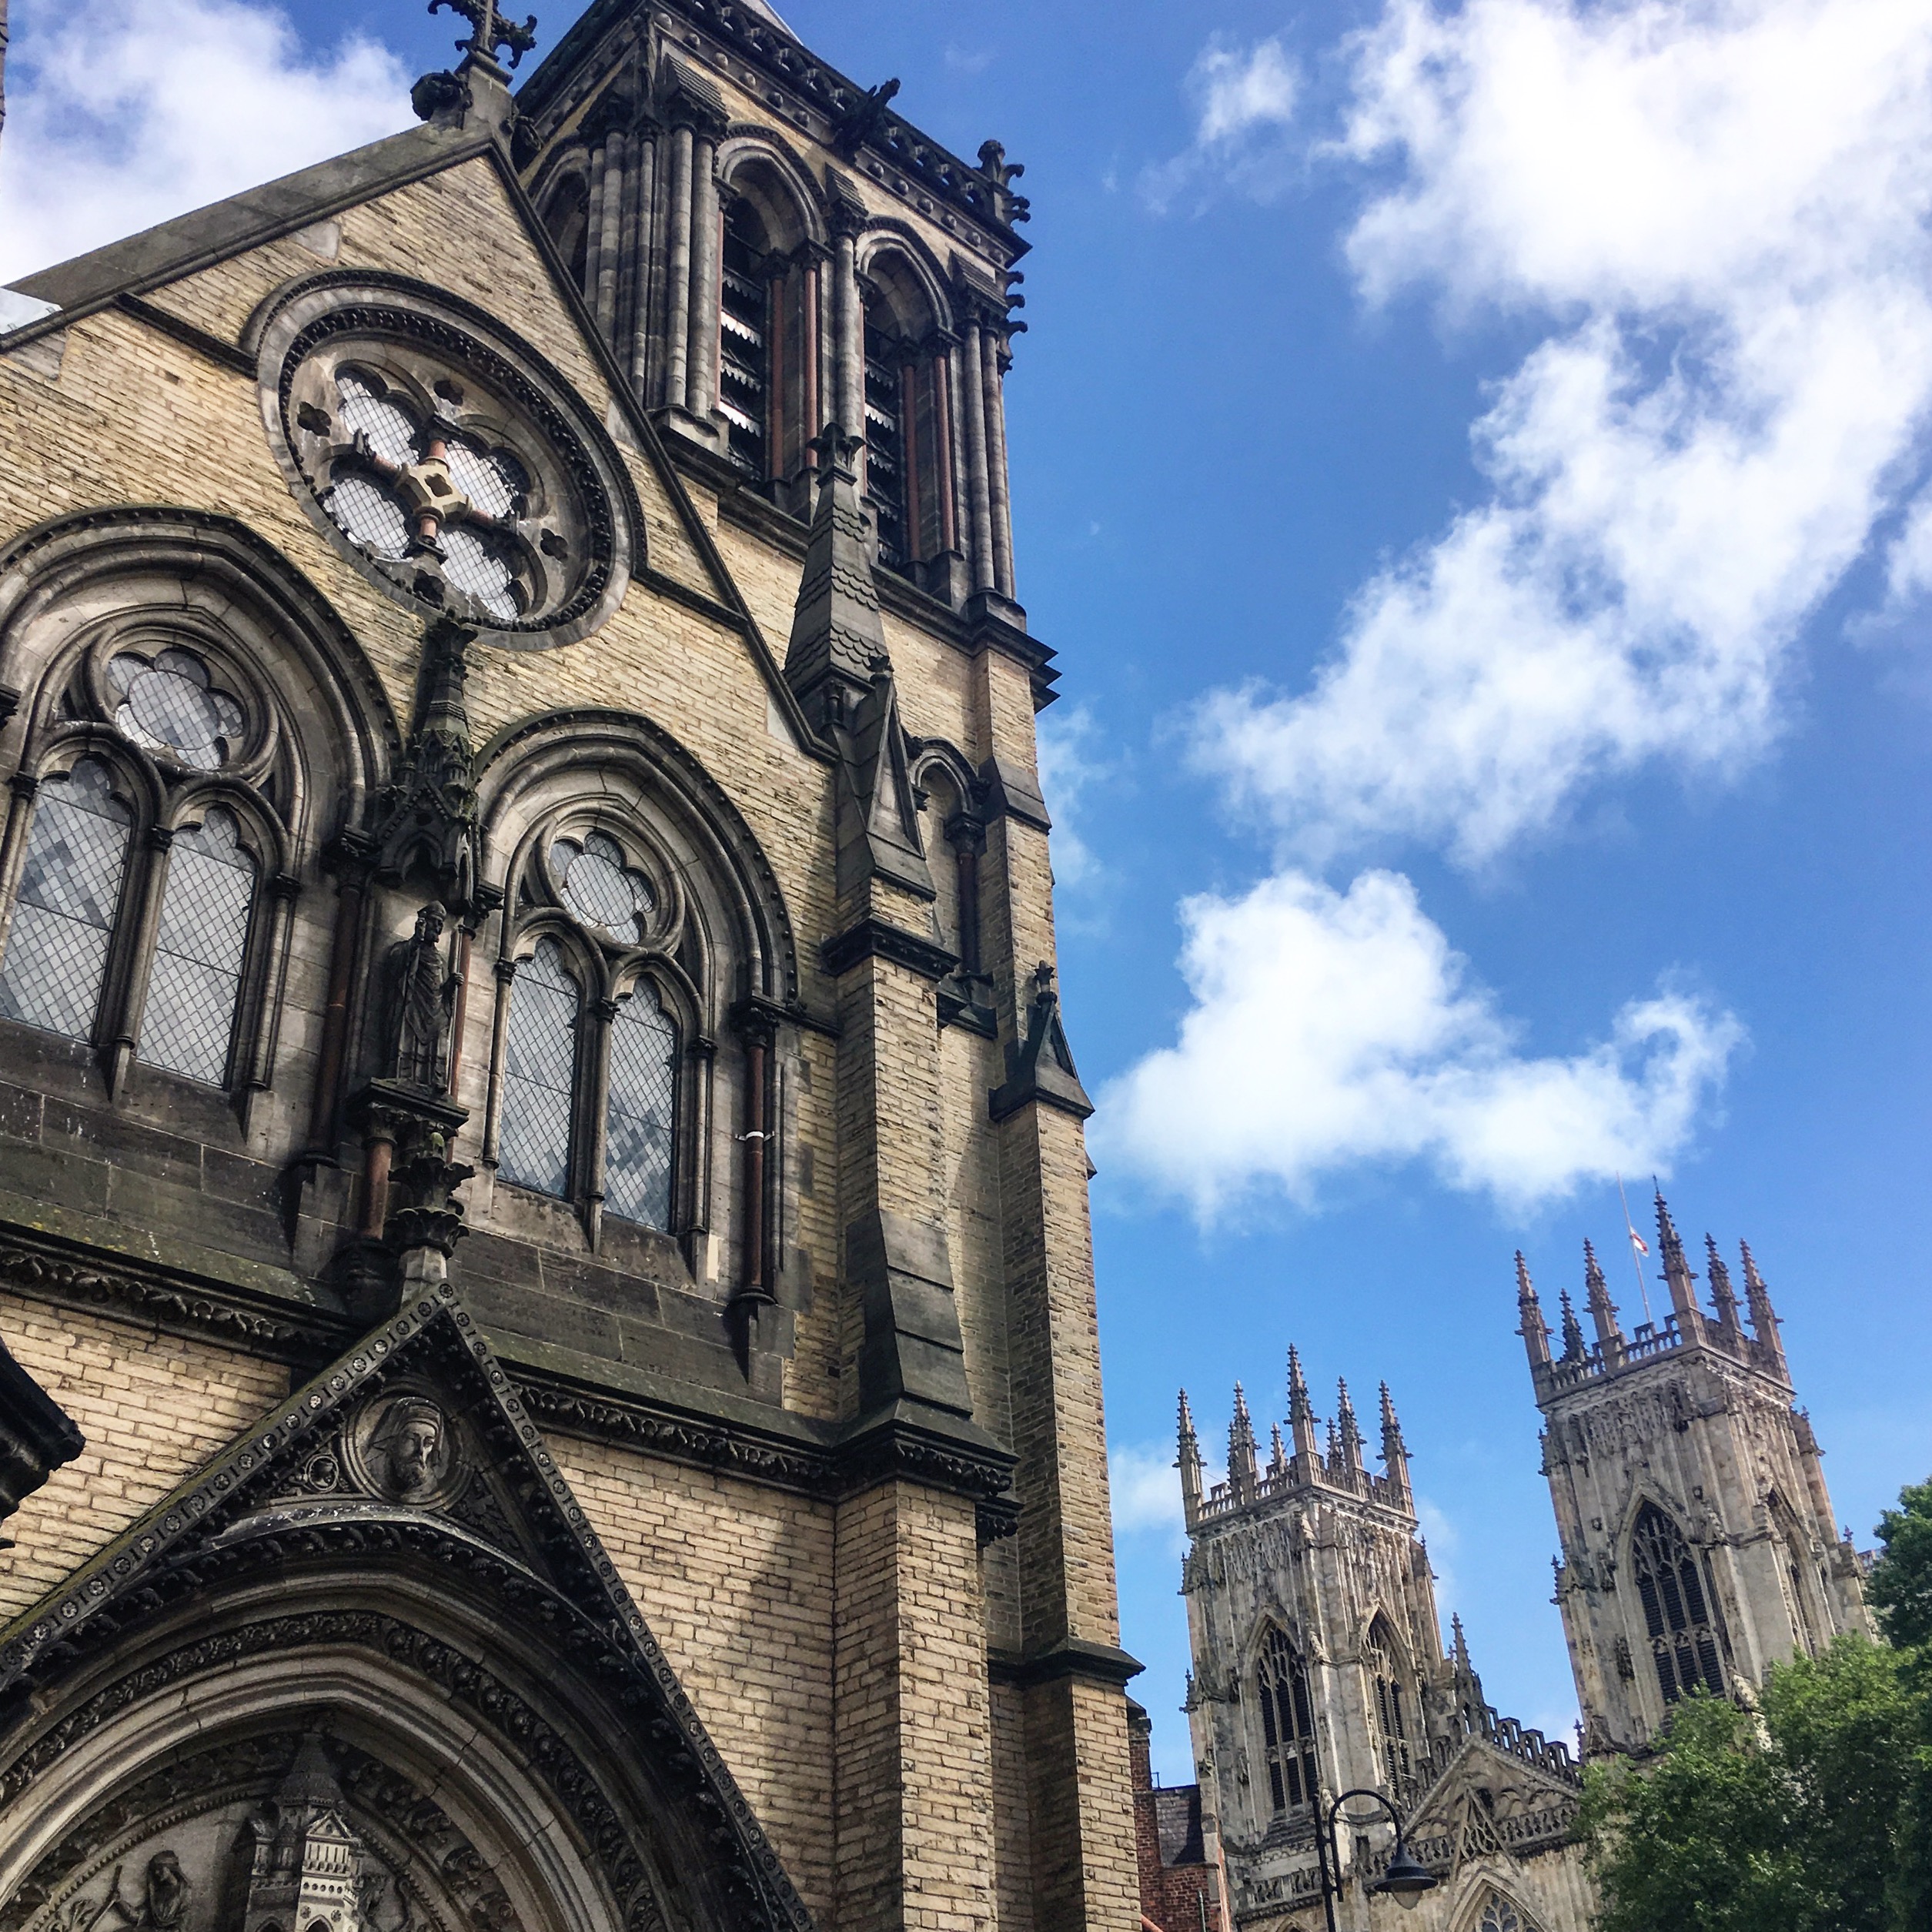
(1532, 1327)
(1241, 1472)
(1347, 1431)
(490, 31)
(1394, 1451)
(1573, 1348)
(1764, 1321)
(1676, 1271)
(1723, 1296)
(1188, 1462)
(1602, 1309)
(1301, 1414)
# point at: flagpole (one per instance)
(1636, 1242)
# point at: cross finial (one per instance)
(489, 30)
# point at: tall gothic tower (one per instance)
(1319, 1668)
(1699, 1546)
(539, 1160)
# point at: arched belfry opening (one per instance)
(907, 416)
(369, 1670)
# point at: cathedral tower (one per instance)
(540, 1160)
(1699, 1546)
(1319, 1667)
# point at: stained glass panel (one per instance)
(640, 1127)
(195, 980)
(63, 917)
(533, 1147)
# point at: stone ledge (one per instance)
(1101, 1663)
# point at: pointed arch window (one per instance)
(1499, 1915)
(55, 965)
(1676, 1615)
(640, 1126)
(1390, 1709)
(1288, 1725)
(539, 1073)
(195, 985)
(745, 316)
(567, 216)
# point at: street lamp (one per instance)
(1406, 1880)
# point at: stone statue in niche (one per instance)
(422, 997)
(410, 1457)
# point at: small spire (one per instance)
(1241, 1448)
(1395, 1451)
(1602, 1309)
(1348, 1430)
(1723, 1296)
(1189, 1463)
(1278, 1459)
(1458, 1644)
(1301, 1414)
(1573, 1348)
(1676, 1271)
(1334, 1443)
(1764, 1321)
(1534, 1331)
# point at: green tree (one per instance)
(1812, 1813)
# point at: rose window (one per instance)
(408, 486)
(168, 706)
(600, 888)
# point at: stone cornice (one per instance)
(873, 938)
(1102, 1663)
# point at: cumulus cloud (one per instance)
(1071, 764)
(1244, 101)
(1720, 213)
(122, 117)
(1330, 1029)
(1145, 1487)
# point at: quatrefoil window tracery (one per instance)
(602, 888)
(169, 704)
(411, 483)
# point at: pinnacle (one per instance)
(1525, 1289)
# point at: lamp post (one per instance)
(1406, 1880)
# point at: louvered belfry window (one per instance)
(886, 473)
(539, 1073)
(195, 983)
(744, 341)
(1288, 1725)
(1670, 1586)
(63, 917)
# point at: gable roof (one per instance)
(494, 1511)
(123, 270)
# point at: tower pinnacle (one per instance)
(1395, 1451)
(1723, 1296)
(1241, 1472)
(1573, 1350)
(1301, 1415)
(1602, 1309)
(1188, 1462)
(1764, 1321)
(1532, 1328)
(1676, 1273)
(1348, 1430)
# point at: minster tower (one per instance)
(554, 1380)
(1698, 1542)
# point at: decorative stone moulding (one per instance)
(446, 459)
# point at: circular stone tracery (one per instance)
(453, 474)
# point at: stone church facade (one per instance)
(550, 1377)
(1698, 1548)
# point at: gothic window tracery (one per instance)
(1391, 1715)
(589, 1107)
(1499, 1915)
(1288, 1725)
(454, 474)
(149, 836)
(1670, 1587)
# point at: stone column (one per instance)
(701, 380)
(678, 278)
(848, 339)
(642, 243)
(979, 501)
(612, 171)
(994, 352)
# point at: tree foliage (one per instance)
(1811, 1813)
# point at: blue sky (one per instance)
(1471, 466)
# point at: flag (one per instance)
(1638, 1241)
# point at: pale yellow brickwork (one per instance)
(153, 1408)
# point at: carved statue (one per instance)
(424, 994)
(170, 1892)
(409, 1455)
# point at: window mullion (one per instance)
(593, 1107)
(499, 1052)
(23, 791)
(265, 981)
(137, 924)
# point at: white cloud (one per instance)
(1329, 1029)
(1721, 212)
(1070, 765)
(1244, 101)
(120, 117)
(1146, 1486)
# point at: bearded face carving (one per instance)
(410, 1453)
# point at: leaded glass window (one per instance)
(63, 917)
(600, 888)
(195, 985)
(477, 567)
(1390, 1710)
(169, 706)
(1683, 1641)
(1498, 1915)
(370, 515)
(539, 1073)
(1288, 1725)
(366, 409)
(640, 1128)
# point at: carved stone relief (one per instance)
(285, 1832)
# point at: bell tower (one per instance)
(1699, 1546)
